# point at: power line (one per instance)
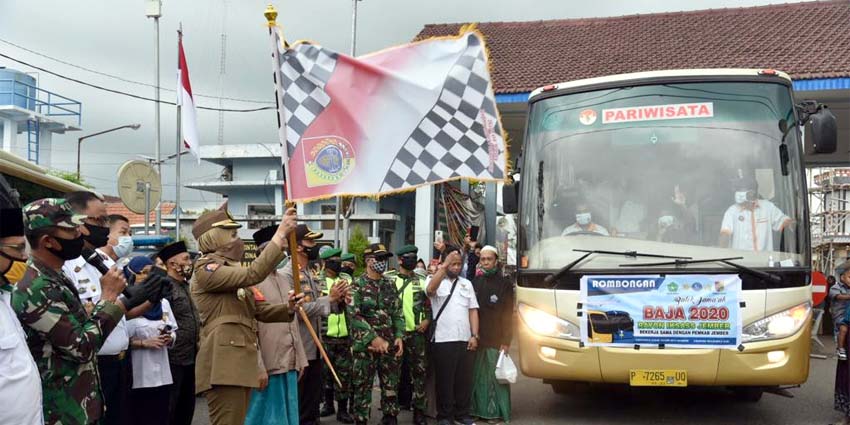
(135, 96)
(119, 78)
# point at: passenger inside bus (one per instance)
(749, 224)
(584, 223)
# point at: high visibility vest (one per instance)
(337, 327)
(409, 299)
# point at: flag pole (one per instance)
(177, 209)
(271, 17)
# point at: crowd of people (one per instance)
(95, 333)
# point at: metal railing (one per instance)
(28, 96)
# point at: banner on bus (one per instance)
(686, 311)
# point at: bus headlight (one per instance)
(780, 325)
(545, 324)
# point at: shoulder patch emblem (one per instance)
(211, 267)
(258, 296)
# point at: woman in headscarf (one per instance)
(491, 400)
(150, 337)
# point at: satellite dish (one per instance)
(133, 177)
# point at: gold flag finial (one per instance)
(271, 15)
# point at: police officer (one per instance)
(377, 329)
(416, 310)
(337, 345)
(228, 363)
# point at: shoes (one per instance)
(404, 407)
(842, 354)
(419, 418)
(342, 415)
(327, 409)
(465, 421)
(389, 420)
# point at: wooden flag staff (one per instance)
(271, 18)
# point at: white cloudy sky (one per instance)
(115, 37)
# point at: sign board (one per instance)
(819, 287)
(689, 311)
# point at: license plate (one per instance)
(658, 378)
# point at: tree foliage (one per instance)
(356, 245)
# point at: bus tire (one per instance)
(748, 394)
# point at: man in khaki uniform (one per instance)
(228, 366)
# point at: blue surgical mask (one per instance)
(583, 218)
(124, 247)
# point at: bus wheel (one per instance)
(748, 394)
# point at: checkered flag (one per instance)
(304, 72)
(460, 136)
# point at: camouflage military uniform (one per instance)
(415, 309)
(64, 341)
(375, 311)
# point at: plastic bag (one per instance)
(505, 369)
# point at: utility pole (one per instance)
(154, 10)
(177, 209)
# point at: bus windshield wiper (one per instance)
(554, 276)
(727, 260)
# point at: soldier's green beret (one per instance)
(333, 252)
(348, 257)
(407, 249)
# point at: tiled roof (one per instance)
(119, 208)
(807, 40)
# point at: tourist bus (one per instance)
(619, 156)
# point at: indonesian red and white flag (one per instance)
(411, 115)
(188, 114)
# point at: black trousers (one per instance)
(310, 393)
(116, 379)
(453, 368)
(150, 405)
(181, 406)
(405, 383)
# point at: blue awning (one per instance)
(799, 85)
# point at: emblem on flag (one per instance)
(328, 160)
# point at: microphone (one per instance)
(94, 259)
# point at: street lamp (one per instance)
(80, 140)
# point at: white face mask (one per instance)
(666, 221)
(124, 247)
(583, 219)
(740, 197)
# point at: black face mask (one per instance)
(98, 235)
(333, 265)
(71, 248)
(312, 252)
(409, 263)
(347, 270)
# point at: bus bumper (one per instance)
(766, 363)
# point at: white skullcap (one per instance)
(490, 248)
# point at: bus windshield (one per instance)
(700, 170)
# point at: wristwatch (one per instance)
(475, 336)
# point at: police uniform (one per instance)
(228, 363)
(338, 346)
(62, 337)
(375, 311)
(415, 308)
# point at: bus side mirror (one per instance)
(824, 130)
(510, 198)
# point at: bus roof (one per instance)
(659, 74)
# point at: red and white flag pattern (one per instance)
(411, 115)
(188, 114)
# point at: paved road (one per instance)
(535, 404)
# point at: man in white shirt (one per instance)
(455, 310)
(113, 363)
(20, 383)
(749, 224)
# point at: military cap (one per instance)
(50, 212)
(11, 222)
(213, 219)
(171, 250)
(330, 253)
(348, 257)
(303, 232)
(264, 235)
(377, 250)
(407, 249)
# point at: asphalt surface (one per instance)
(534, 403)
